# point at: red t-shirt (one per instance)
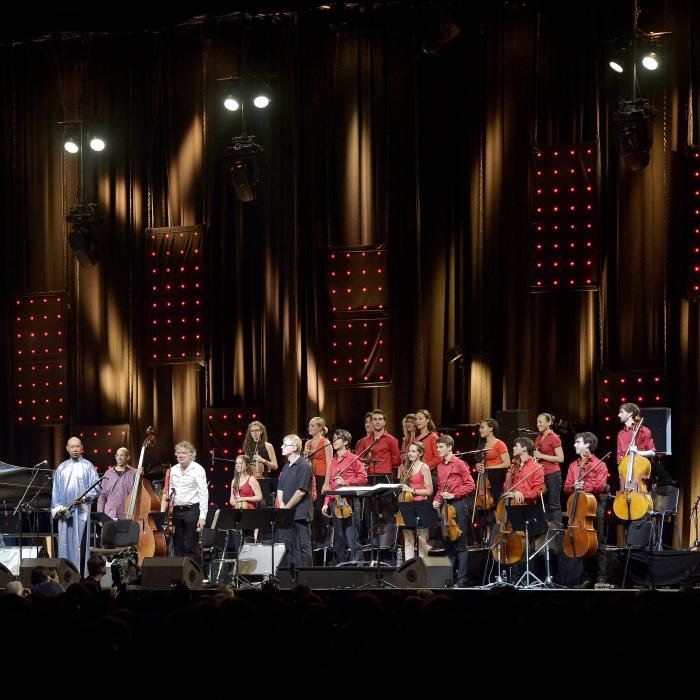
(454, 477)
(494, 454)
(529, 480)
(595, 476)
(547, 446)
(319, 459)
(385, 450)
(431, 456)
(644, 441)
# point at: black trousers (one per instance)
(185, 538)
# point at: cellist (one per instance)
(454, 484)
(590, 474)
(645, 447)
(346, 470)
(528, 477)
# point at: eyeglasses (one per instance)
(337, 437)
(286, 444)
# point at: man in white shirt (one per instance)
(188, 481)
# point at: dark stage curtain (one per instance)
(368, 141)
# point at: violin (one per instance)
(404, 496)
(484, 498)
(633, 501)
(508, 547)
(580, 538)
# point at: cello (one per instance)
(138, 506)
(508, 546)
(633, 501)
(580, 538)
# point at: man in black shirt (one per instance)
(97, 568)
(294, 492)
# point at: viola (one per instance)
(508, 546)
(633, 501)
(141, 502)
(450, 529)
(580, 538)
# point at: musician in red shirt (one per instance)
(628, 414)
(346, 470)
(527, 479)
(384, 450)
(454, 484)
(589, 474)
(549, 453)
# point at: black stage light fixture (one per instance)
(633, 134)
(82, 237)
(243, 165)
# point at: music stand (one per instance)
(419, 515)
(230, 519)
(530, 519)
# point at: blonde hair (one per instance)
(185, 446)
(320, 421)
(294, 438)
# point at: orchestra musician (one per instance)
(346, 470)
(416, 480)
(408, 427)
(454, 484)
(244, 487)
(644, 441)
(368, 430)
(117, 486)
(384, 448)
(497, 456)
(528, 477)
(549, 453)
(71, 479)
(188, 480)
(321, 461)
(589, 474)
(426, 434)
(259, 451)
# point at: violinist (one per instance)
(497, 457)
(259, 451)
(416, 480)
(549, 453)
(528, 476)
(589, 474)
(426, 433)
(368, 430)
(629, 415)
(245, 488)
(454, 484)
(346, 470)
(384, 447)
(408, 426)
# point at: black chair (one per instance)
(116, 537)
(665, 500)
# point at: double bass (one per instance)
(580, 538)
(139, 505)
(633, 501)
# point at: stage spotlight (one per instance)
(231, 103)
(651, 61)
(97, 143)
(71, 146)
(261, 101)
(633, 134)
(617, 61)
(243, 166)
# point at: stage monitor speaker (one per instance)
(509, 422)
(166, 572)
(5, 576)
(658, 420)
(424, 572)
(67, 573)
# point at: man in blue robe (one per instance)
(71, 479)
